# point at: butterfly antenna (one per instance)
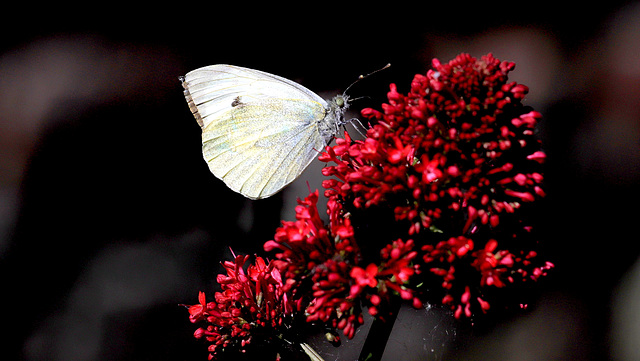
(364, 77)
(351, 100)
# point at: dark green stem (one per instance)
(379, 333)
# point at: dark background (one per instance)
(109, 217)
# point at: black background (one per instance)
(112, 218)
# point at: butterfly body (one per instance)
(259, 131)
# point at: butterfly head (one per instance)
(330, 125)
(334, 118)
(338, 106)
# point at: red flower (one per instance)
(456, 156)
(494, 266)
(251, 301)
(306, 243)
(321, 257)
(197, 312)
(365, 277)
(449, 145)
(398, 268)
(326, 259)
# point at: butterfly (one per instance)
(259, 131)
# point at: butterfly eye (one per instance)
(340, 101)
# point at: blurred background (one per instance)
(109, 217)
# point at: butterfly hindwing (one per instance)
(259, 148)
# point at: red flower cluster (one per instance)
(455, 156)
(250, 301)
(321, 267)
(317, 261)
(436, 194)
(393, 273)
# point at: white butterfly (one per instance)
(259, 131)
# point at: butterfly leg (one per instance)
(353, 122)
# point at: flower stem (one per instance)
(379, 333)
(313, 355)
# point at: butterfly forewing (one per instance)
(260, 131)
(215, 88)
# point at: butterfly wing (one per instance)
(214, 89)
(259, 131)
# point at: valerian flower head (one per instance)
(324, 270)
(252, 301)
(458, 158)
(317, 260)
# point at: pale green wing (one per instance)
(259, 148)
(259, 130)
(212, 90)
